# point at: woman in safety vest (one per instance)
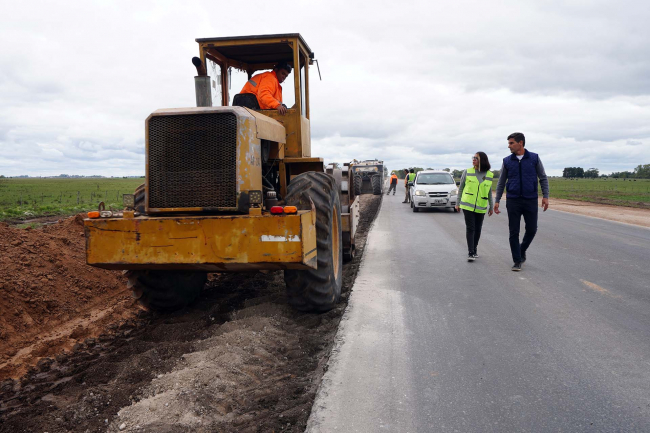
(475, 193)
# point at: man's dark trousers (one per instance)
(516, 208)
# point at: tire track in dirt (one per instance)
(237, 360)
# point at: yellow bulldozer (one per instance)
(230, 188)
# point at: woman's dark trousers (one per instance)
(473, 225)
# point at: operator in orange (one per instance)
(266, 87)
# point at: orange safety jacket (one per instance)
(393, 178)
(266, 88)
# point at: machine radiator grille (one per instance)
(193, 161)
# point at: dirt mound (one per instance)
(239, 359)
(49, 297)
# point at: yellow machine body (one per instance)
(211, 216)
(206, 243)
(168, 147)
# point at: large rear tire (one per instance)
(318, 290)
(165, 291)
(358, 183)
(376, 185)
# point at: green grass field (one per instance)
(27, 198)
(617, 192)
(54, 197)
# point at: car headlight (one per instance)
(420, 192)
(453, 192)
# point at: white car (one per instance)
(433, 189)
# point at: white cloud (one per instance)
(413, 83)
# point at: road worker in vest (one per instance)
(266, 87)
(393, 184)
(475, 193)
(408, 180)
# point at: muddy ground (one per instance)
(237, 360)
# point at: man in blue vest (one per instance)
(521, 170)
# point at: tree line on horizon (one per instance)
(640, 172)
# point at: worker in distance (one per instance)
(267, 89)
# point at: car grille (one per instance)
(192, 161)
(438, 194)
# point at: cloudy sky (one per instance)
(413, 83)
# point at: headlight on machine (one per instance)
(255, 197)
(453, 192)
(419, 192)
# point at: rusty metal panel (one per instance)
(223, 185)
(296, 166)
(345, 222)
(268, 128)
(305, 136)
(292, 124)
(212, 243)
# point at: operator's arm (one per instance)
(501, 185)
(266, 92)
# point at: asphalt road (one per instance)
(433, 343)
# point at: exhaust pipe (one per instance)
(202, 84)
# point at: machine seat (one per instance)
(247, 100)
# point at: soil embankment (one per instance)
(49, 298)
(237, 360)
(621, 214)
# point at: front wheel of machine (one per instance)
(376, 185)
(415, 209)
(318, 290)
(165, 291)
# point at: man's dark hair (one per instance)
(518, 137)
(483, 161)
(283, 65)
(411, 171)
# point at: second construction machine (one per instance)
(368, 176)
(231, 189)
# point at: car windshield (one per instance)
(434, 179)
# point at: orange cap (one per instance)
(290, 209)
(93, 214)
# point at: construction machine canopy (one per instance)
(254, 53)
(260, 52)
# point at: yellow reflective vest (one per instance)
(475, 192)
